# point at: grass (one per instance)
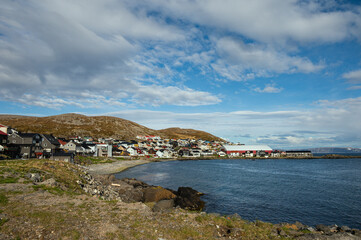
(3, 199)
(53, 190)
(87, 160)
(8, 180)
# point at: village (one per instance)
(18, 145)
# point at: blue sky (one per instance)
(285, 73)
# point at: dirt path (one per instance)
(114, 167)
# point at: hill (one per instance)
(66, 125)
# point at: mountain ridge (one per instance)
(73, 124)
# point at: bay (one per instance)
(312, 191)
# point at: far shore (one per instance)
(122, 165)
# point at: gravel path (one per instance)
(114, 167)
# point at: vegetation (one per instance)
(86, 160)
(66, 125)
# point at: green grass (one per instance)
(86, 160)
(3, 221)
(8, 180)
(3, 199)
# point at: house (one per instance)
(276, 154)
(29, 144)
(184, 152)
(132, 151)
(221, 154)
(152, 151)
(63, 156)
(3, 137)
(103, 150)
(160, 153)
(196, 152)
(73, 147)
(49, 144)
(89, 148)
(207, 153)
(62, 143)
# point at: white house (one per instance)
(103, 150)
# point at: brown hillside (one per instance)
(66, 125)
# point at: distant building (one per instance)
(247, 150)
(299, 154)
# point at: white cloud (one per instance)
(353, 77)
(334, 123)
(54, 50)
(269, 88)
(271, 21)
(239, 60)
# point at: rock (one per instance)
(35, 177)
(133, 195)
(334, 228)
(50, 182)
(311, 229)
(163, 205)
(281, 232)
(155, 194)
(301, 226)
(356, 232)
(189, 198)
(291, 226)
(323, 228)
(345, 229)
(135, 183)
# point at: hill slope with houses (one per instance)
(66, 125)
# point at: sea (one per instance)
(311, 191)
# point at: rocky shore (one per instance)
(132, 190)
(129, 190)
(42, 199)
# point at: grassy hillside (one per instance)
(66, 125)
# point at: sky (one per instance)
(285, 73)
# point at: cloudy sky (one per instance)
(281, 72)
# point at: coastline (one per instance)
(58, 200)
(122, 165)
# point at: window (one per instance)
(14, 141)
(45, 144)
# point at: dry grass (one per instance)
(66, 125)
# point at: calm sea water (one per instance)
(315, 191)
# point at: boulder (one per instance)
(135, 183)
(134, 195)
(163, 205)
(35, 177)
(50, 182)
(300, 226)
(323, 228)
(155, 194)
(345, 229)
(189, 198)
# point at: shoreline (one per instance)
(122, 165)
(57, 200)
